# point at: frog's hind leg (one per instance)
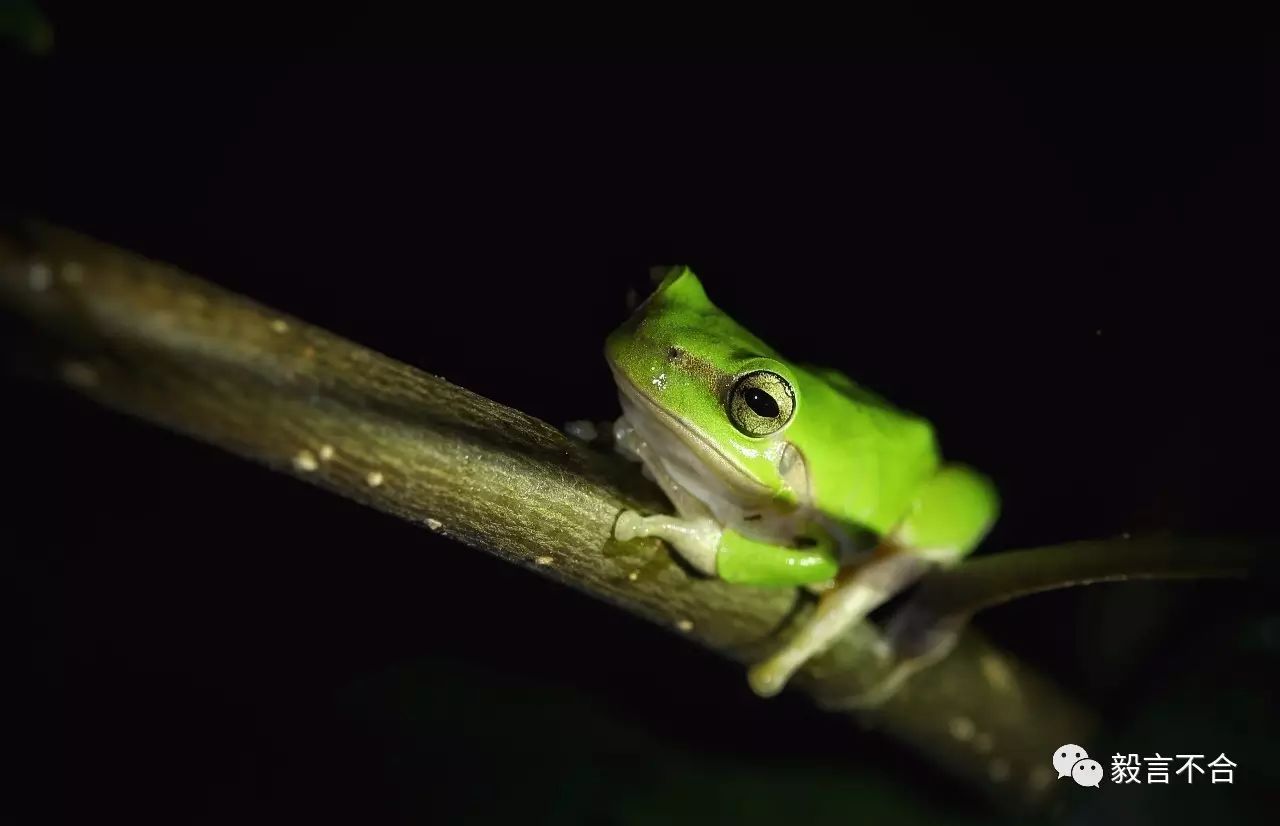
(849, 602)
(949, 516)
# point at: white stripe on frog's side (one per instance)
(840, 608)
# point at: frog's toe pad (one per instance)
(628, 526)
(767, 679)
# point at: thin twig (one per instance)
(931, 624)
(987, 581)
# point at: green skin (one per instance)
(783, 474)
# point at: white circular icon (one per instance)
(1087, 772)
(1065, 757)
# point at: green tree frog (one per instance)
(782, 474)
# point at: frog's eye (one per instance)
(761, 403)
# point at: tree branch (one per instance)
(147, 339)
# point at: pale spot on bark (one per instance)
(39, 277)
(79, 374)
(961, 728)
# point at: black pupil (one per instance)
(761, 402)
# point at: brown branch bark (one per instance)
(145, 338)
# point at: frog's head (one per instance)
(699, 386)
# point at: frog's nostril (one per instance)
(673, 353)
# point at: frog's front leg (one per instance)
(697, 540)
(694, 534)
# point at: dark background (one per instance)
(1061, 262)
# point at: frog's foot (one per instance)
(840, 608)
(697, 540)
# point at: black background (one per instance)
(1061, 262)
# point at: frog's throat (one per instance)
(717, 461)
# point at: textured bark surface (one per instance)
(147, 339)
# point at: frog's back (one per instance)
(874, 454)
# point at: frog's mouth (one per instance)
(682, 445)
